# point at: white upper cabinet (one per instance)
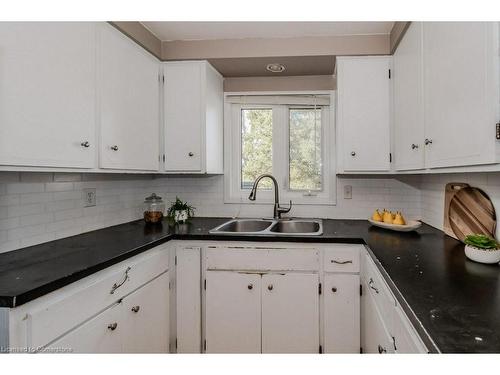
(47, 95)
(363, 113)
(409, 101)
(193, 111)
(461, 92)
(129, 87)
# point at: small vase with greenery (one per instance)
(482, 248)
(180, 212)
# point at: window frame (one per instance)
(233, 193)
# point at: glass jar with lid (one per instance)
(154, 207)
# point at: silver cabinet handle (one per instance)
(334, 290)
(414, 146)
(428, 141)
(125, 278)
(341, 261)
(112, 326)
(85, 144)
(270, 287)
(370, 284)
(191, 154)
(381, 349)
(353, 153)
(114, 148)
(250, 286)
(136, 308)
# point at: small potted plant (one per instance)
(481, 248)
(180, 212)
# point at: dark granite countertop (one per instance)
(456, 300)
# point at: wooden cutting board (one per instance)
(468, 210)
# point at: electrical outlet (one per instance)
(89, 197)
(347, 192)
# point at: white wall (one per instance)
(41, 207)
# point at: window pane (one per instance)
(305, 149)
(256, 146)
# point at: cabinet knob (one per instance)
(112, 326)
(353, 153)
(136, 308)
(191, 154)
(428, 141)
(334, 290)
(270, 287)
(114, 148)
(381, 349)
(250, 286)
(414, 146)
(85, 144)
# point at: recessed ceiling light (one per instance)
(276, 68)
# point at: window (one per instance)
(288, 136)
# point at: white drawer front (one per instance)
(61, 310)
(342, 258)
(262, 259)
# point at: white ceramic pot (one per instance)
(181, 216)
(481, 255)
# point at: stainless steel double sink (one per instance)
(270, 227)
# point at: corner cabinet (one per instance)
(193, 118)
(363, 114)
(47, 94)
(129, 114)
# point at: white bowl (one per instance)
(481, 255)
(410, 225)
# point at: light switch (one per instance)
(347, 192)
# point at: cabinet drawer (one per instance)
(374, 284)
(342, 258)
(58, 312)
(262, 259)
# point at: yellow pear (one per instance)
(399, 219)
(388, 217)
(376, 216)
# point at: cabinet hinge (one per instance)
(498, 130)
(176, 343)
(164, 158)
(205, 284)
(320, 349)
(360, 289)
(169, 285)
(389, 73)
(390, 157)
(205, 345)
(360, 350)
(175, 260)
(163, 78)
(319, 288)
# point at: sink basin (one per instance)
(269, 227)
(244, 226)
(296, 226)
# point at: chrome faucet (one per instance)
(277, 209)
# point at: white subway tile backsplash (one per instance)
(23, 188)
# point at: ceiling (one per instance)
(169, 31)
(256, 66)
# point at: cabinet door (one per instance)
(184, 117)
(47, 94)
(375, 337)
(129, 103)
(290, 313)
(409, 101)
(146, 318)
(342, 313)
(460, 107)
(406, 339)
(102, 334)
(233, 312)
(364, 113)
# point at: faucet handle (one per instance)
(284, 210)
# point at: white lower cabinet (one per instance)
(342, 313)
(233, 312)
(137, 324)
(290, 313)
